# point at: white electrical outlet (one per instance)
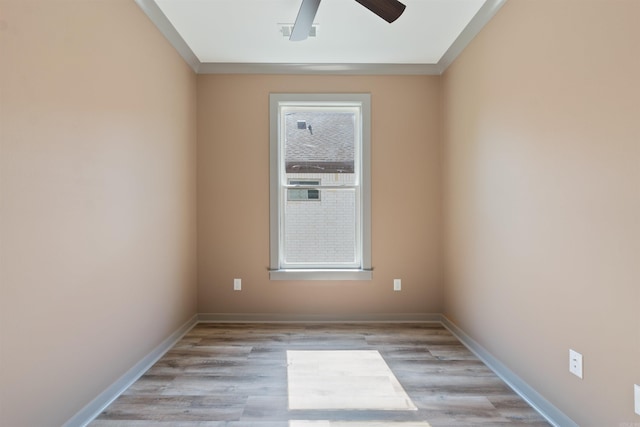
(237, 284)
(397, 284)
(636, 397)
(575, 363)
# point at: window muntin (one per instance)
(320, 146)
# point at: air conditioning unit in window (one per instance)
(303, 194)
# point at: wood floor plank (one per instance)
(236, 374)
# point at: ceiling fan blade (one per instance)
(304, 21)
(389, 10)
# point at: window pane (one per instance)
(322, 233)
(320, 147)
(319, 141)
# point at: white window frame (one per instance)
(278, 186)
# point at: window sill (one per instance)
(320, 274)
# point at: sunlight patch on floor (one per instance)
(324, 423)
(344, 379)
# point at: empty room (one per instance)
(336, 213)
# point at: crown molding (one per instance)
(155, 14)
(481, 18)
(355, 69)
(477, 23)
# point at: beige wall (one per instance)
(97, 201)
(542, 165)
(233, 198)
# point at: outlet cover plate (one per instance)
(636, 397)
(237, 284)
(397, 284)
(575, 363)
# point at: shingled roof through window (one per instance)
(319, 142)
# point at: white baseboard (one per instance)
(556, 417)
(322, 318)
(104, 399)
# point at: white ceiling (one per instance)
(246, 35)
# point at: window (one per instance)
(320, 187)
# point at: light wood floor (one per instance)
(233, 375)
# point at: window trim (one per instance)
(277, 273)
